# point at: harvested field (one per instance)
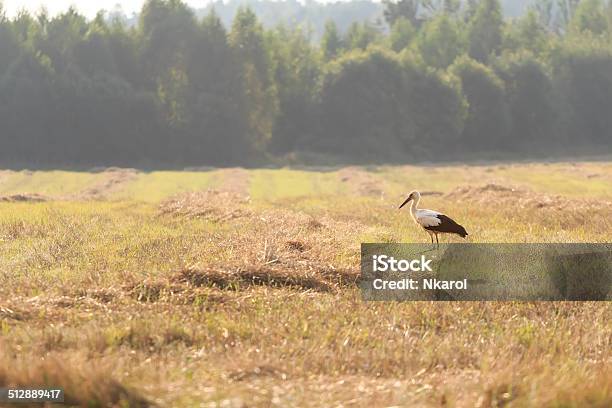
(212, 205)
(112, 179)
(538, 206)
(82, 386)
(361, 182)
(238, 287)
(499, 195)
(235, 181)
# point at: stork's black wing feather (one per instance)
(449, 226)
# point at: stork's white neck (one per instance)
(413, 206)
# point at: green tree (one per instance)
(298, 69)
(331, 43)
(26, 107)
(123, 44)
(545, 12)
(531, 100)
(257, 75)
(434, 104)
(375, 106)
(408, 9)
(486, 125)
(25, 28)
(435, 7)
(440, 42)
(361, 35)
(361, 106)
(216, 98)
(59, 36)
(485, 30)
(583, 79)
(590, 17)
(167, 28)
(402, 34)
(92, 53)
(527, 33)
(9, 47)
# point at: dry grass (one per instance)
(111, 181)
(83, 384)
(539, 207)
(361, 182)
(212, 205)
(525, 199)
(321, 280)
(215, 298)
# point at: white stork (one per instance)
(432, 221)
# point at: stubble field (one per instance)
(237, 287)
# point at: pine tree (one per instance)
(485, 30)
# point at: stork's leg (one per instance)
(437, 242)
(431, 235)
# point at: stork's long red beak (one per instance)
(405, 202)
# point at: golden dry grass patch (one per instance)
(213, 205)
(112, 180)
(540, 208)
(84, 383)
(235, 180)
(362, 182)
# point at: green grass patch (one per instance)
(52, 183)
(158, 185)
(272, 185)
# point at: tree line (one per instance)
(447, 80)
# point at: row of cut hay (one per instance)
(538, 208)
(111, 181)
(236, 180)
(501, 195)
(24, 198)
(271, 276)
(362, 182)
(277, 247)
(212, 205)
(114, 179)
(45, 308)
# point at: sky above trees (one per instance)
(87, 7)
(90, 7)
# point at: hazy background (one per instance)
(87, 7)
(175, 84)
(129, 7)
